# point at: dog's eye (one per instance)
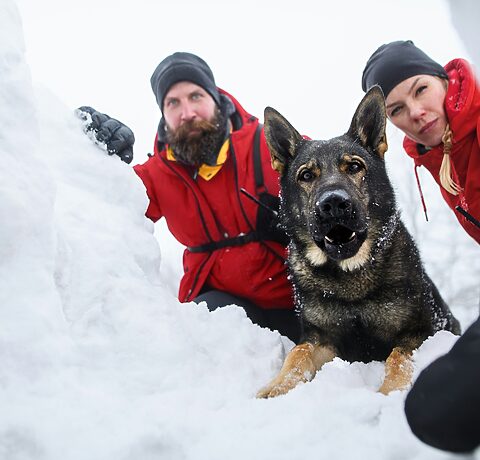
(354, 167)
(305, 175)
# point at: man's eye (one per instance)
(172, 102)
(196, 96)
(354, 167)
(306, 175)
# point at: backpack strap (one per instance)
(225, 243)
(257, 162)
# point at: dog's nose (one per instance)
(334, 204)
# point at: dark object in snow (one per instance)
(443, 406)
(282, 320)
(358, 279)
(113, 135)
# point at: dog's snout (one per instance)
(334, 204)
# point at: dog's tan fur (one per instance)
(304, 360)
(301, 365)
(398, 371)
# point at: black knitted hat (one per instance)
(394, 62)
(182, 67)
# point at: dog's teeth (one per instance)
(331, 241)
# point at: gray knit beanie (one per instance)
(182, 67)
(394, 62)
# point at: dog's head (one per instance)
(335, 192)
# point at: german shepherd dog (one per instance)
(359, 282)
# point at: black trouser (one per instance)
(284, 321)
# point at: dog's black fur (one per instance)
(359, 282)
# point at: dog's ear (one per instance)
(281, 138)
(370, 121)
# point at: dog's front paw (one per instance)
(398, 371)
(389, 386)
(272, 390)
(285, 382)
(298, 367)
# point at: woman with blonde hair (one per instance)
(438, 109)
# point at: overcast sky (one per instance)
(302, 57)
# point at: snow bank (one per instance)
(98, 358)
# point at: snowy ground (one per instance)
(98, 358)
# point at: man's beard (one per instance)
(198, 142)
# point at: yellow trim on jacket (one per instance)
(205, 171)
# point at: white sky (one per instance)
(302, 57)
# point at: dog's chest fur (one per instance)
(361, 312)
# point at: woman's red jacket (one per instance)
(462, 107)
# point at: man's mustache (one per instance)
(183, 131)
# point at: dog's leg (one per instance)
(300, 365)
(398, 371)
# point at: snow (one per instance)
(100, 360)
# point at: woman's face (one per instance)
(416, 106)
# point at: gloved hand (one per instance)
(112, 135)
(268, 222)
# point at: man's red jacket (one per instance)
(462, 106)
(199, 211)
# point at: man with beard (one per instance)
(210, 177)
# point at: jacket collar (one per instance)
(205, 171)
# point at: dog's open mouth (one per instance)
(341, 242)
(339, 235)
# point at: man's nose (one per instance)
(188, 113)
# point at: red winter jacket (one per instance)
(199, 211)
(462, 106)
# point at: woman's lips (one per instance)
(426, 128)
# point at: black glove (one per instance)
(117, 138)
(268, 222)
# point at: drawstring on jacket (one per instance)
(421, 192)
(447, 175)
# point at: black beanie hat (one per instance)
(182, 67)
(395, 62)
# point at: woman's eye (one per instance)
(306, 176)
(421, 89)
(354, 167)
(395, 111)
